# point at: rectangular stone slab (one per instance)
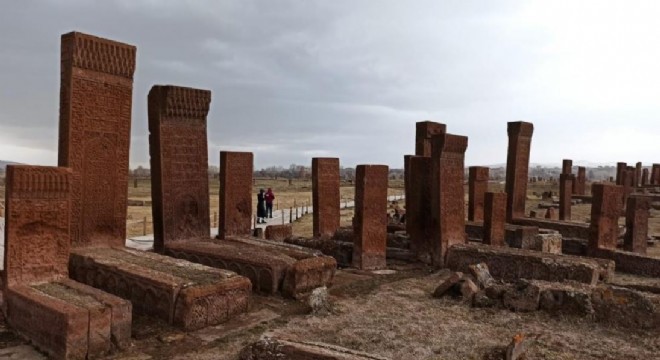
(512, 264)
(271, 349)
(271, 268)
(565, 228)
(185, 294)
(631, 263)
(69, 320)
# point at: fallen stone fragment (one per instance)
(319, 301)
(482, 300)
(468, 289)
(523, 297)
(627, 308)
(518, 347)
(482, 274)
(452, 280)
(276, 349)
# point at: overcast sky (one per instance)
(295, 79)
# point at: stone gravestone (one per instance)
(370, 221)
(565, 191)
(95, 121)
(637, 224)
(425, 131)
(418, 215)
(477, 187)
(605, 210)
(65, 319)
(447, 200)
(495, 218)
(325, 196)
(517, 167)
(235, 194)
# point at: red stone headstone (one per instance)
(637, 224)
(580, 183)
(494, 218)
(605, 211)
(447, 200)
(567, 166)
(418, 215)
(551, 213)
(407, 189)
(38, 210)
(96, 93)
(655, 174)
(370, 221)
(620, 168)
(425, 130)
(477, 187)
(517, 167)
(179, 163)
(638, 174)
(235, 215)
(645, 176)
(628, 183)
(325, 196)
(565, 193)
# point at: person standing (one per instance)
(269, 202)
(261, 207)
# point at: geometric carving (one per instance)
(370, 222)
(235, 215)
(96, 90)
(447, 199)
(517, 167)
(179, 163)
(325, 196)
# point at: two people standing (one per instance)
(264, 205)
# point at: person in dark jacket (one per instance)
(269, 202)
(261, 207)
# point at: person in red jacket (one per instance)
(269, 202)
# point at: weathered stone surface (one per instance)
(482, 275)
(278, 232)
(453, 279)
(629, 262)
(550, 242)
(605, 211)
(551, 213)
(620, 169)
(477, 187)
(566, 166)
(418, 215)
(565, 192)
(185, 294)
(517, 167)
(325, 196)
(516, 235)
(179, 163)
(235, 215)
(517, 347)
(637, 224)
(319, 301)
(523, 297)
(447, 200)
(424, 132)
(494, 219)
(566, 229)
(370, 222)
(566, 298)
(512, 264)
(277, 349)
(580, 183)
(96, 91)
(627, 308)
(468, 289)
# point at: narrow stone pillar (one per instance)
(325, 196)
(494, 218)
(567, 166)
(477, 187)
(425, 130)
(645, 177)
(447, 199)
(370, 220)
(638, 174)
(605, 211)
(407, 190)
(637, 224)
(655, 174)
(517, 167)
(418, 215)
(620, 169)
(565, 194)
(235, 212)
(628, 184)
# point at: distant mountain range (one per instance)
(4, 163)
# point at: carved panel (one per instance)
(235, 215)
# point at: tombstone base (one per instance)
(272, 267)
(69, 320)
(187, 295)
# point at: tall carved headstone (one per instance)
(235, 215)
(517, 167)
(620, 169)
(655, 174)
(566, 166)
(495, 218)
(637, 224)
(628, 183)
(38, 210)
(605, 211)
(425, 130)
(477, 187)
(447, 200)
(96, 92)
(580, 183)
(370, 221)
(565, 192)
(179, 163)
(418, 215)
(407, 189)
(325, 196)
(645, 176)
(638, 174)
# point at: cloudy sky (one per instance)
(294, 79)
